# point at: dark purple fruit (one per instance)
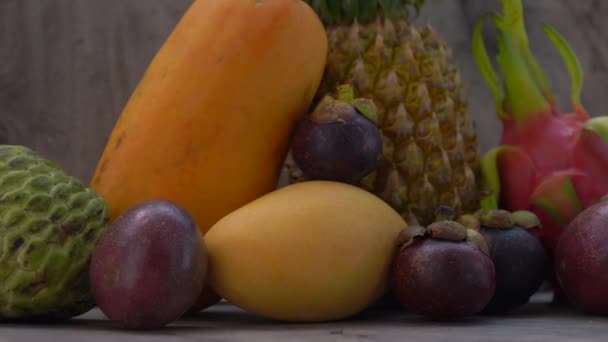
(519, 258)
(443, 271)
(581, 260)
(149, 267)
(206, 299)
(337, 142)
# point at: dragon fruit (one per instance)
(548, 162)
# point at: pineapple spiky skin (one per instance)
(430, 153)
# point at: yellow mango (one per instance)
(312, 251)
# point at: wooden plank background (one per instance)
(67, 67)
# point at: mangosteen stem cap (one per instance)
(367, 108)
(408, 235)
(447, 230)
(476, 240)
(343, 106)
(526, 219)
(470, 221)
(456, 232)
(331, 110)
(499, 219)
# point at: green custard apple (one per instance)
(49, 225)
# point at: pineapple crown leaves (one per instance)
(523, 91)
(334, 12)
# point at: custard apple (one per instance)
(49, 225)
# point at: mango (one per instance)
(309, 252)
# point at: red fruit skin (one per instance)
(550, 232)
(518, 178)
(443, 279)
(149, 267)
(547, 138)
(591, 156)
(546, 145)
(562, 157)
(581, 260)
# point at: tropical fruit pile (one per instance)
(388, 199)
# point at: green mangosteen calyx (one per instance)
(331, 110)
(526, 219)
(476, 240)
(447, 230)
(499, 219)
(344, 108)
(409, 235)
(470, 221)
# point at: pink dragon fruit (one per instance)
(551, 163)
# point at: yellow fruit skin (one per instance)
(312, 251)
(209, 124)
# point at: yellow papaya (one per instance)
(208, 126)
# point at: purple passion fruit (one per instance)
(581, 260)
(149, 267)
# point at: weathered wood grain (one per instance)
(67, 67)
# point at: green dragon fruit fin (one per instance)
(525, 91)
(514, 24)
(557, 197)
(491, 176)
(599, 126)
(514, 20)
(484, 64)
(572, 63)
(524, 95)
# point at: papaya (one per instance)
(208, 126)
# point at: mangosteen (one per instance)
(581, 260)
(443, 271)
(518, 255)
(339, 141)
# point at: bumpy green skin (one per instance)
(49, 225)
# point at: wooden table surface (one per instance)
(537, 321)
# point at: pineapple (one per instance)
(430, 151)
